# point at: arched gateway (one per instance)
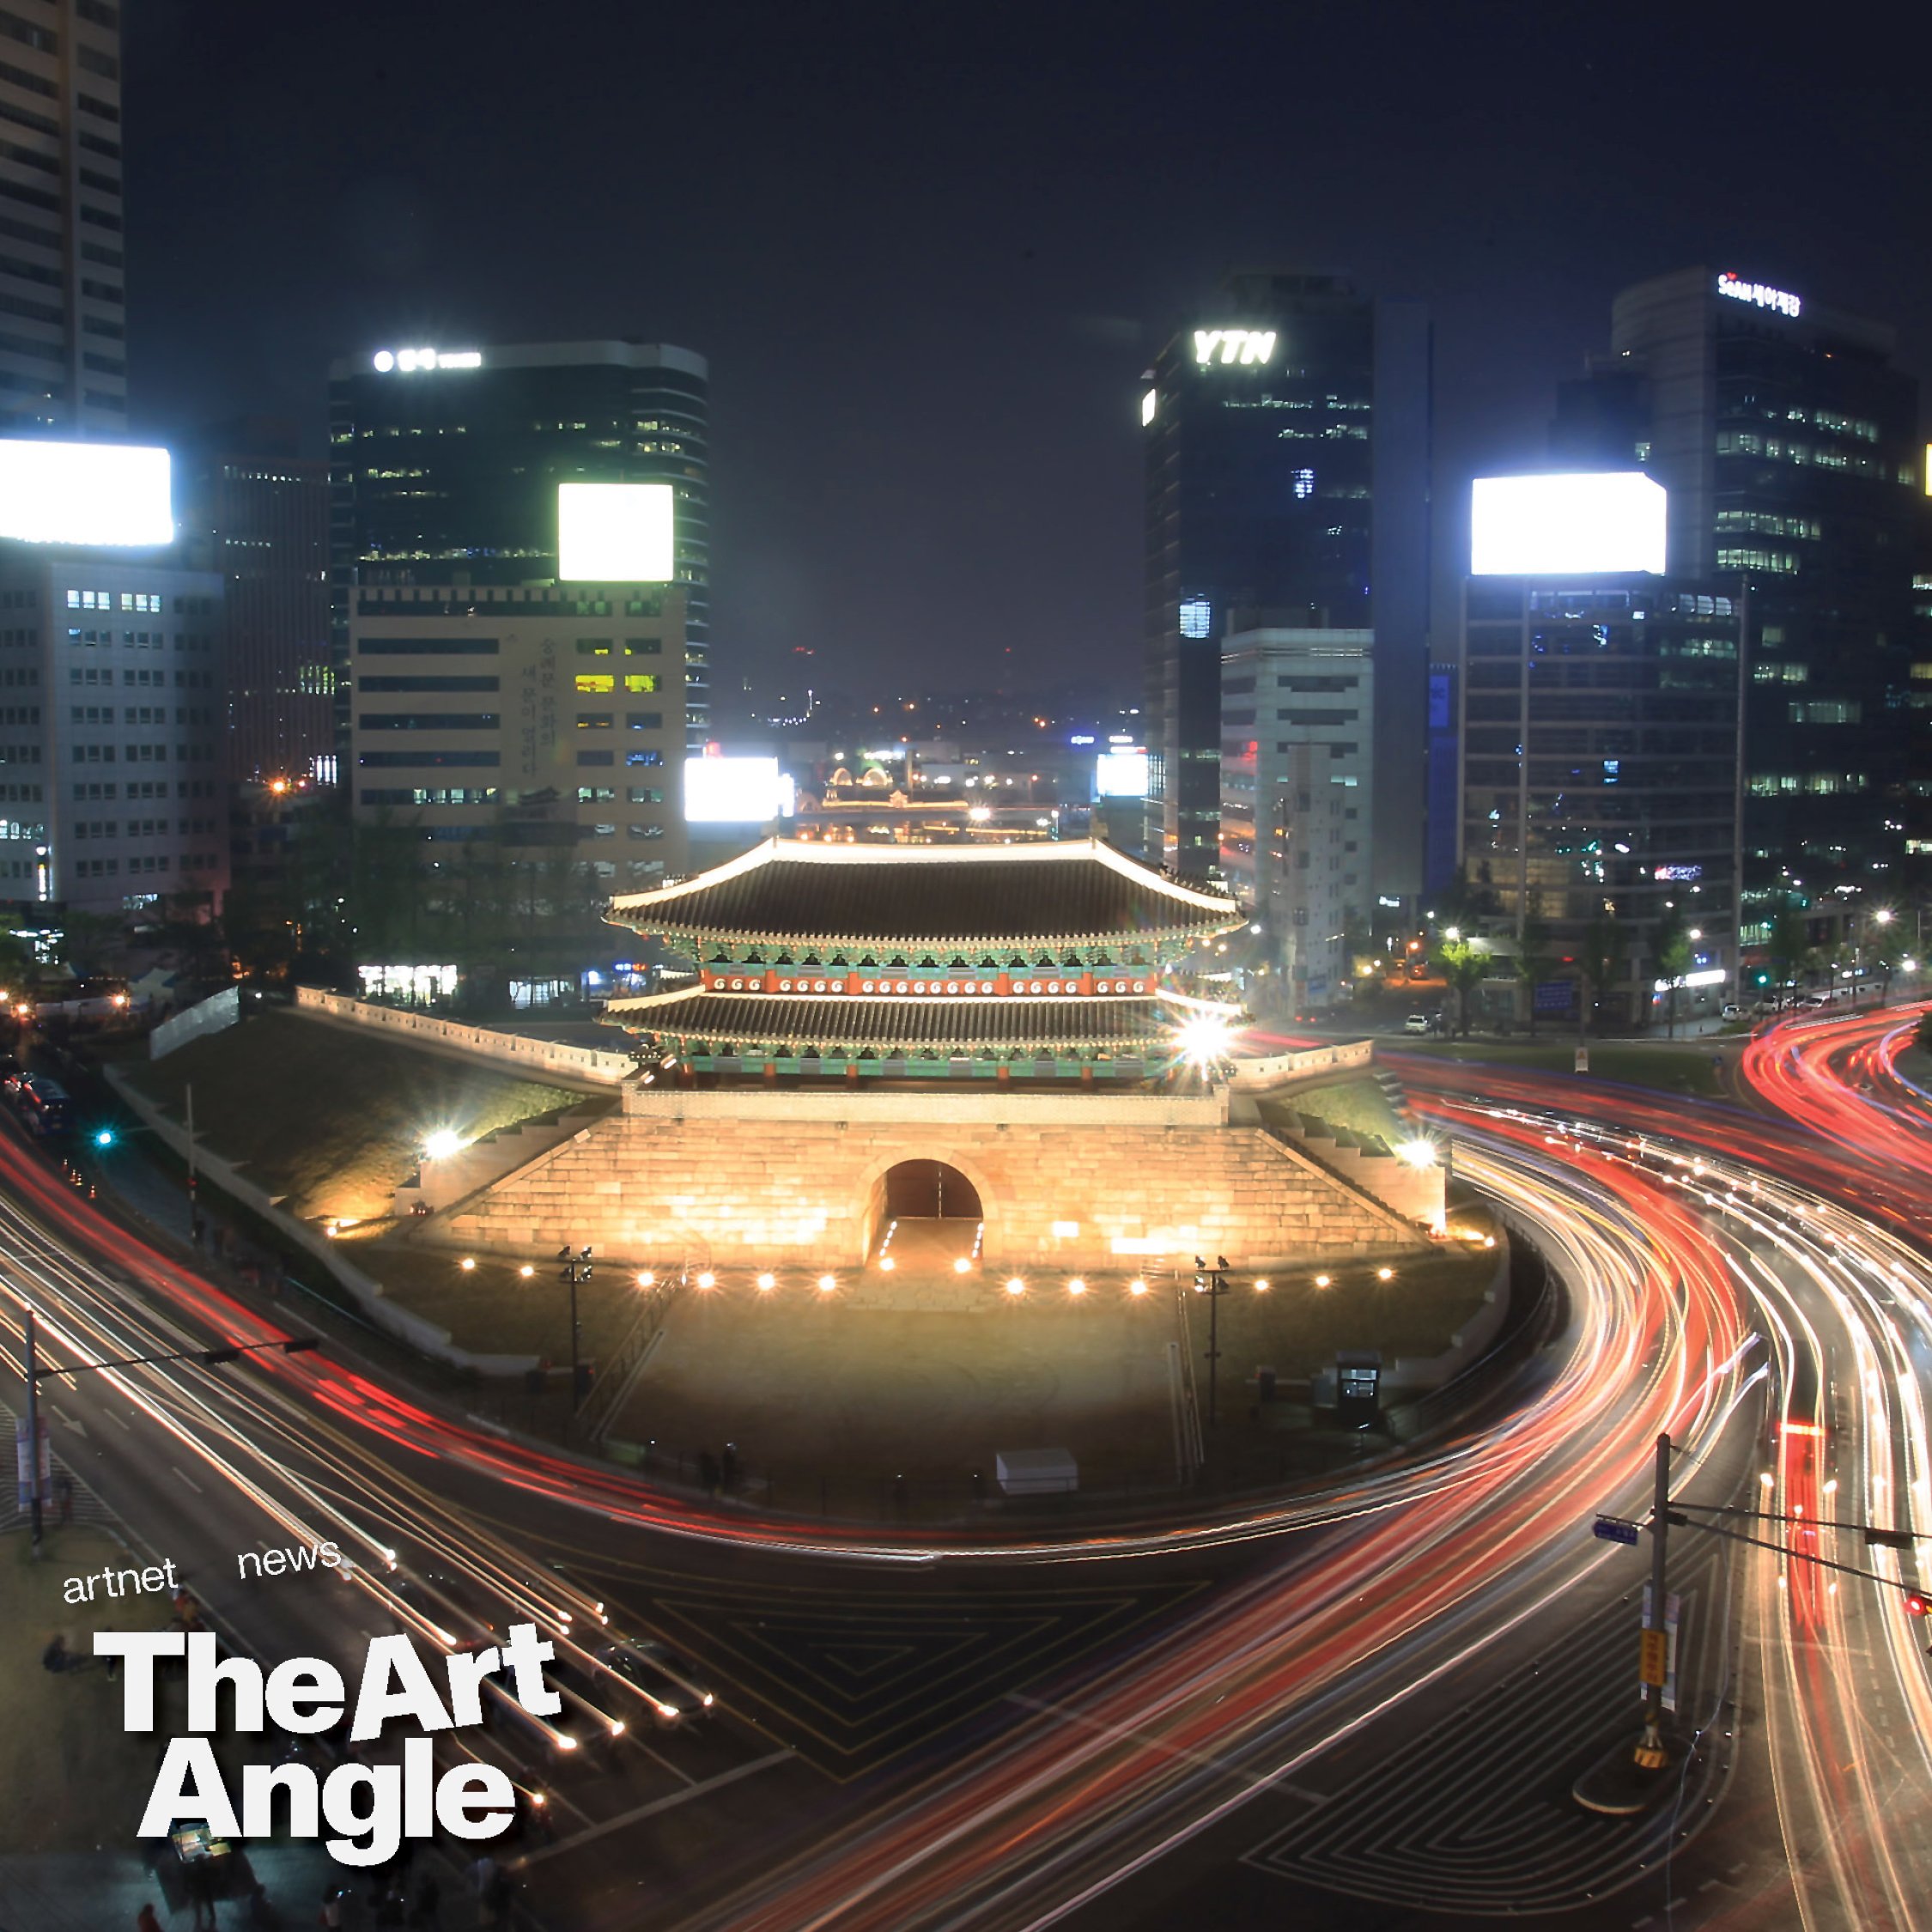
(871, 1031)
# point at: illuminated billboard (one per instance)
(1120, 775)
(1589, 524)
(614, 533)
(735, 791)
(111, 495)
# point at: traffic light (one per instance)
(1916, 1603)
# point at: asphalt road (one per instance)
(1362, 1708)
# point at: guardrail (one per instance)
(586, 1065)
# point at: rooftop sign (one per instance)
(1250, 346)
(1757, 293)
(409, 361)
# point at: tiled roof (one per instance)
(954, 895)
(966, 1024)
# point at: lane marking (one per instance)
(1130, 1735)
(187, 1479)
(650, 1810)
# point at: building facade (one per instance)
(1298, 797)
(1600, 764)
(112, 740)
(542, 722)
(1287, 445)
(63, 273)
(1789, 443)
(266, 519)
(446, 463)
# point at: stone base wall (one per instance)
(749, 1192)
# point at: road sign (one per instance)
(1614, 1529)
(1667, 1636)
(1583, 1060)
(1652, 1659)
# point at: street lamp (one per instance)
(1213, 1282)
(576, 1269)
(209, 1358)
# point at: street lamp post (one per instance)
(1212, 1282)
(576, 1269)
(209, 1358)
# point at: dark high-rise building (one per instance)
(1288, 476)
(1789, 442)
(265, 513)
(444, 465)
(1599, 729)
(64, 348)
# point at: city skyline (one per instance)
(953, 299)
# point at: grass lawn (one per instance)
(328, 1116)
(72, 1779)
(1295, 1326)
(491, 1309)
(1683, 1068)
(1356, 1106)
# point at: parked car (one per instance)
(1732, 1010)
(45, 1108)
(1417, 1023)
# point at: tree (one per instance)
(1532, 963)
(1465, 968)
(1788, 944)
(1600, 955)
(1671, 943)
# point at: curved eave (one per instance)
(910, 943)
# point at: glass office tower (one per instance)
(1287, 437)
(1789, 443)
(445, 463)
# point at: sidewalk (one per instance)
(104, 1891)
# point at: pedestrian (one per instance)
(198, 1879)
(55, 1657)
(333, 1914)
(63, 1495)
(198, 1227)
(727, 1467)
(146, 1921)
(707, 1471)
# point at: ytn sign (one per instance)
(1224, 346)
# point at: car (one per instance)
(1417, 1023)
(1732, 1010)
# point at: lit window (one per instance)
(1196, 617)
(596, 682)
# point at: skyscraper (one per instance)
(1789, 442)
(265, 511)
(63, 300)
(445, 464)
(1287, 475)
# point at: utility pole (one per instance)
(34, 1433)
(1651, 1754)
(191, 1095)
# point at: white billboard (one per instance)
(112, 494)
(735, 791)
(614, 533)
(1120, 775)
(1591, 525)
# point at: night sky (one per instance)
(929, 249)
